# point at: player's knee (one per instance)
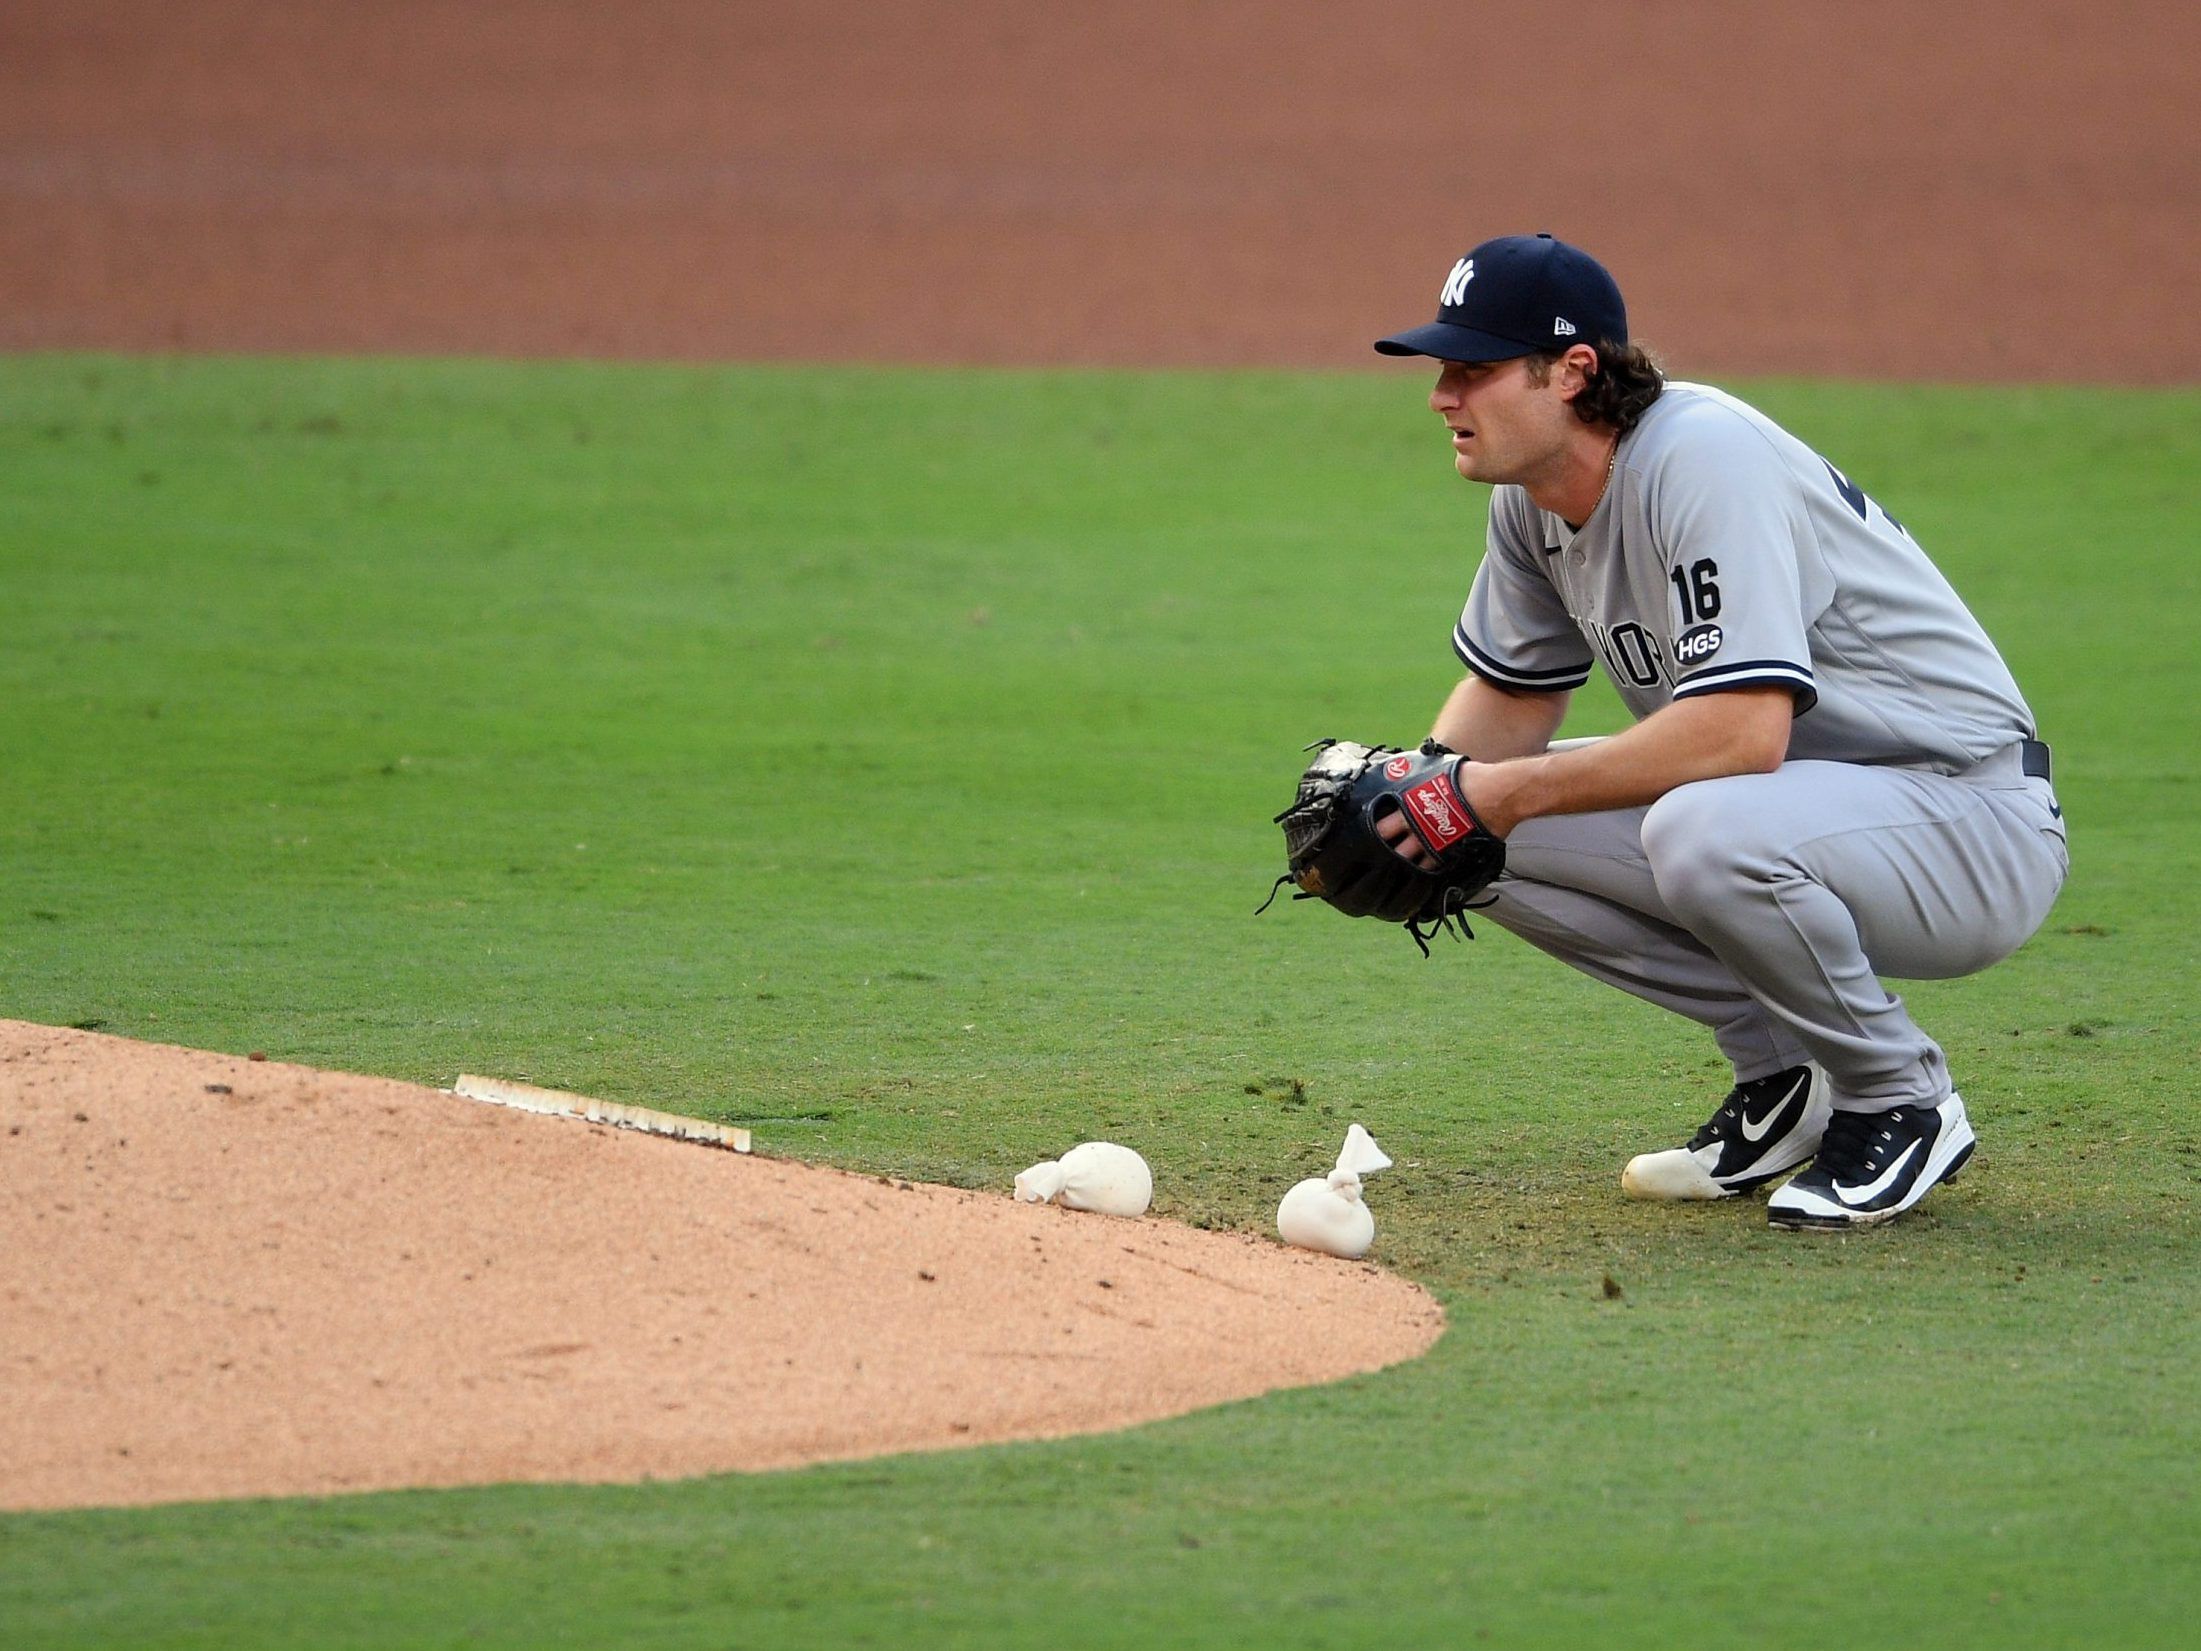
(1701, 842)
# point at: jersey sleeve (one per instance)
(1732, 527)
(1515, 632)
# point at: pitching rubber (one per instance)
(559, 1103)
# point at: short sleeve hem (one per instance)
(1751, 673)
(1514, 678)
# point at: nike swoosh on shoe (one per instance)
(1756, 1132)
(1854, 1196)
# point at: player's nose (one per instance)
(1444, 395)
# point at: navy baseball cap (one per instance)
(1514, 296)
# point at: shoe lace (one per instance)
(1723, 1125)
(1851, 1149)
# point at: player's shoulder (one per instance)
(1697, 439)
(1692, 419)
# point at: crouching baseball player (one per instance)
(1831, 777)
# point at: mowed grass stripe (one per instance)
(892, 752)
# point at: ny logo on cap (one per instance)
(1455, 284)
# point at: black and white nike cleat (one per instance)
(1873, 1166)
(1763, 1129)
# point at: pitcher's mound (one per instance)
(222, 1277)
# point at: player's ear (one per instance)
(1576, 368)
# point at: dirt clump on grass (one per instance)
(222, 1277)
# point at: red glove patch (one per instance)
(1439, 812)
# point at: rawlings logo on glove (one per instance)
(1337, 853)
(1438, 812)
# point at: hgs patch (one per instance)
(1697, 644)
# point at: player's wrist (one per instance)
(1498, 794)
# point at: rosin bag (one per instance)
(1325, 1212)
(1096, 1176)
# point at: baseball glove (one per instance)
(1336, 854)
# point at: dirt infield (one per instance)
(222, 1277)
(1870, 188)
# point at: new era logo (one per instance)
(1455, 284)
(1562, 328)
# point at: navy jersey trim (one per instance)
(1751, 673)
(1512, 677)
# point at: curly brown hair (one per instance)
(1628, 379)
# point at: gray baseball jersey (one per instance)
(1724, 554)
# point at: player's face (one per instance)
(1505, 426)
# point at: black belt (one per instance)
(2033, 759)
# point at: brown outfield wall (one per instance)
(1874, 188)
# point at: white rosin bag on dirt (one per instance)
(1326, 1213)
(1099, 1175)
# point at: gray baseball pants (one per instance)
(1767, 906)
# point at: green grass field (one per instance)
(884, 759)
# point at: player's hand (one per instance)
(1393, 829)
(1486, 793)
